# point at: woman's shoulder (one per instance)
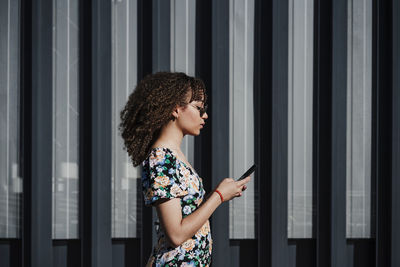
(161, 151)
(160, 155)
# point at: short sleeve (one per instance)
(160, 177)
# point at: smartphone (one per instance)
(249, 171)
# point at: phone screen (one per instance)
(248, 172)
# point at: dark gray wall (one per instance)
(329, 247)
(396, 137)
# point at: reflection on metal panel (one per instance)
(183, 33)
(300, 105)
(359, 109)
(10, 176)
(65, 119)
(241, 137)
(126, 191)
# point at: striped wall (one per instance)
(307, 90)
(300, 118)
(125, 177)
(359, 119)
(241, 118)
(10, 144)
(65, 169)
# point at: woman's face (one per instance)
(189, 119)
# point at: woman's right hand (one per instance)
(229, 188)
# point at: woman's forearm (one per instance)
(193, 222)
(179, 229)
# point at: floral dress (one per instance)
(166, 177)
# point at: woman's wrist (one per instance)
(220, 195)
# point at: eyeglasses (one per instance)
(202, 110)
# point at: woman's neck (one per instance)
(170, 136)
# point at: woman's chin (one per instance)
(192, 133)
(195, 133)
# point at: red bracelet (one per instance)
(220, 195)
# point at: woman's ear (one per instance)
(175, 113)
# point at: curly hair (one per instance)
(150, 106)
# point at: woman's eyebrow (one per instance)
(198, 103)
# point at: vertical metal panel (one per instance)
(340, 252)
(183, 29)
(241, 121)
(85, 133)
(262, 127)
(202, 157)
(183, 33)
(65, 119)
(60, 256)
(41, 139)
(5, 255)
(220, 126)
(10, 253)
(281, 253)
(10, 178)
(382, 168)
(396, 137)
(125, 177)
(145, 37)
(101, 134)
(359, 106)
(126, 252)
(5, 252)
(118, 259)
(161, 35)
(26, 127)
(145, 66)
(300, 118)
(322, 134)
(161, 55)
(66, 253)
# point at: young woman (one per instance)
(164, 108)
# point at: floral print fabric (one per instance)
(166, 177)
